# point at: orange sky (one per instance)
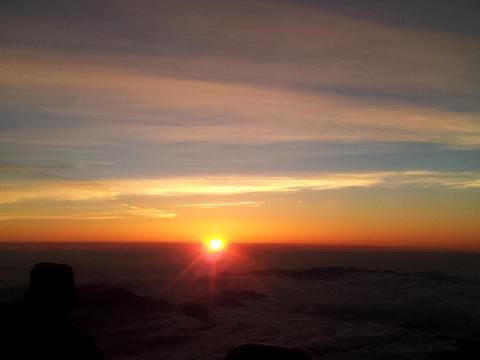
(353, 216)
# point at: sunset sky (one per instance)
(340, 122)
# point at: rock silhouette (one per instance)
(39, 327)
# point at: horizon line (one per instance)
(340, 248)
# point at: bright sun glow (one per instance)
(216, 244)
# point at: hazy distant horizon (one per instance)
(127, 260)
(284, 244)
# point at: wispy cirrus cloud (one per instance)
(39, 215)
(149, 212)
(105, 106)
(111, 211)
(213, 205)
(225, 185)
(16, 191)
(234, 72)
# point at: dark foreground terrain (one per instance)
(331, 312)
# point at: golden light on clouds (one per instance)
(226, 185)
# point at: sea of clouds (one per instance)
(330, 312)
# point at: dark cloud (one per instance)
(445, 98)
(434, 15)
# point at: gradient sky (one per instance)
(336, 122)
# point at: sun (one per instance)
(215, 244)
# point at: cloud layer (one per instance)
(232, 185)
